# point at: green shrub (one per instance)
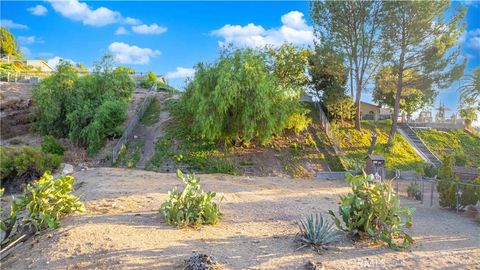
(429, 170)
(372, 210)
(470, 193)
(25, 160)
(47, 200)
(316, 232)
(192, 206)
(52, 146)
(447, 184)
(298, 121)
(149, 80)
(86, 108)
(242, 96)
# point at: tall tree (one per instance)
(8, 45)
(326, 69)
(418, 38)
(412, 99)
(354, 27)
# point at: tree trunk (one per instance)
(357, 105)
(351, 76)
(398, 96)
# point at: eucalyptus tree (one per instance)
(353, 28)
(419, 37)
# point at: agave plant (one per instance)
(316, 232)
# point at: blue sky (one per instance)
(171, 37)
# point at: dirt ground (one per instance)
(122, 228)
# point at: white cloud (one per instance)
(153, 29)
(121, 31)
(53, 62)
(25, 40)
(12, 25)
(181, 73)
(471, 39)
(130, 54)
(77, 11)
(132, 21)
(294, 30)
(474, 43)
(38, 10)
(26, 51)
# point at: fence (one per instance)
(325, 125)
(452, 194)
(133, 123)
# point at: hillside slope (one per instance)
(355, 145)
(465, 146)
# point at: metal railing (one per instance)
(133, 122)
(325, 125)
(428, 191)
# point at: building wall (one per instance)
(369, 111)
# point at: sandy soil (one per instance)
(123, 229)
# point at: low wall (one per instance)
(445, 126)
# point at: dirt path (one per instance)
(150, 134)
(123, 229)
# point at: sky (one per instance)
(169, 38)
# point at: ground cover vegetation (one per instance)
(151, 114)
(355, 145)
(130, 154)
(19, 165)
(87, 109)
(464, 147)
(373, 211)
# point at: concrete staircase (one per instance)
(418, 144)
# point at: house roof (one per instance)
(370, 104)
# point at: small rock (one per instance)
(67, 169)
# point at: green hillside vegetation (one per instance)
(355, 145)
(464, 146)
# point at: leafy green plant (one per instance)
(470, 192)
(429, 170)
(149, 80)
(447, 184)
(52, 146)
(246, 94)
(372, 210)
(316, 232)
(47, 200)
(413, 191)
(192, 206)
(87, 109)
